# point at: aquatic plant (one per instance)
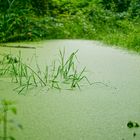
(5, 107)
(62, 72)
(133, 125)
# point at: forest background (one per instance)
(115, 22)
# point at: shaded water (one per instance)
(96, 112)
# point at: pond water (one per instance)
(97, 112)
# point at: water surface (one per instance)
(97, 112)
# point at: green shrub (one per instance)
(62, 19)
(116, 5)
(16, 27)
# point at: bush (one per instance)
(16, 27)
(40, 7)
(113, 21)
(116, 5)
(134, 9)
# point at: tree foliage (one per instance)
(47, 19)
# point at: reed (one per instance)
(68, 65)
(57, 75)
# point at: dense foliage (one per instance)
(113, 21)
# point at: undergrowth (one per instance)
(113, 22)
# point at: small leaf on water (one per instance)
(134, 134)
(130, 124)
(14, 110)
(137, 125)
(12, 138)
(20, 126)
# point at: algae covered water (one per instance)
(100, 111)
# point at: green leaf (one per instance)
(14, 110)
(137, 125)
(130, 124)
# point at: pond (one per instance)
(96, 112)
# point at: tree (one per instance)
(116, 5)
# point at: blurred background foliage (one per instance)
(112, 21)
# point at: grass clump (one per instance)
(61, 74)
